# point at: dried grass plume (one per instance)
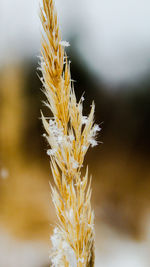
(69, 134)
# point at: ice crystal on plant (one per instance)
(84, 119)
(59, 139)
(96, 129)
(51, 152)
(64, 43)
(56, 132)
(75, 164)
(93, 134)
(84, 148)
(93, 142)
(61, 249)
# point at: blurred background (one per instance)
(110, 54)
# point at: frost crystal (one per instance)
(96, 129)
(75, 164)
(51, 152)
(60, 139)
(56, 132)
(55, 241)
(93, 142)
(61, 249)
(84, 119)
(92, 135)
(64, 43)
(51, 122)
(84, 148)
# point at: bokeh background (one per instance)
(110, 54)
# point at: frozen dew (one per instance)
(65, 245)
(61, 249)
(64, 43)
(55, 241)
(59, 139)
(51, 152)
(51, 122)
(75, 164)
(84, 148)
(56, 132)
(56, 261)
(84, 119)
(56, 230)
(96, 128)
(92, 135)
(93, 142)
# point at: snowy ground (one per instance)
(112, 250)
(22, 254)
(115, 250)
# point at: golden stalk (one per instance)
(69, 135)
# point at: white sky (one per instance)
(113, 36)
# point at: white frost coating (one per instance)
(61, 249)
(75, 165)
(93, 134)
(60, 139)
(56, 132)
(64, 43)
(84, 148)
(84, 119)
(96, 129)
(93, 142)
(51, 152)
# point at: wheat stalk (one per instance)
(69, 135)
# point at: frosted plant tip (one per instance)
(84, 119)
(51, 152)
(93, 142)
(64, 43)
